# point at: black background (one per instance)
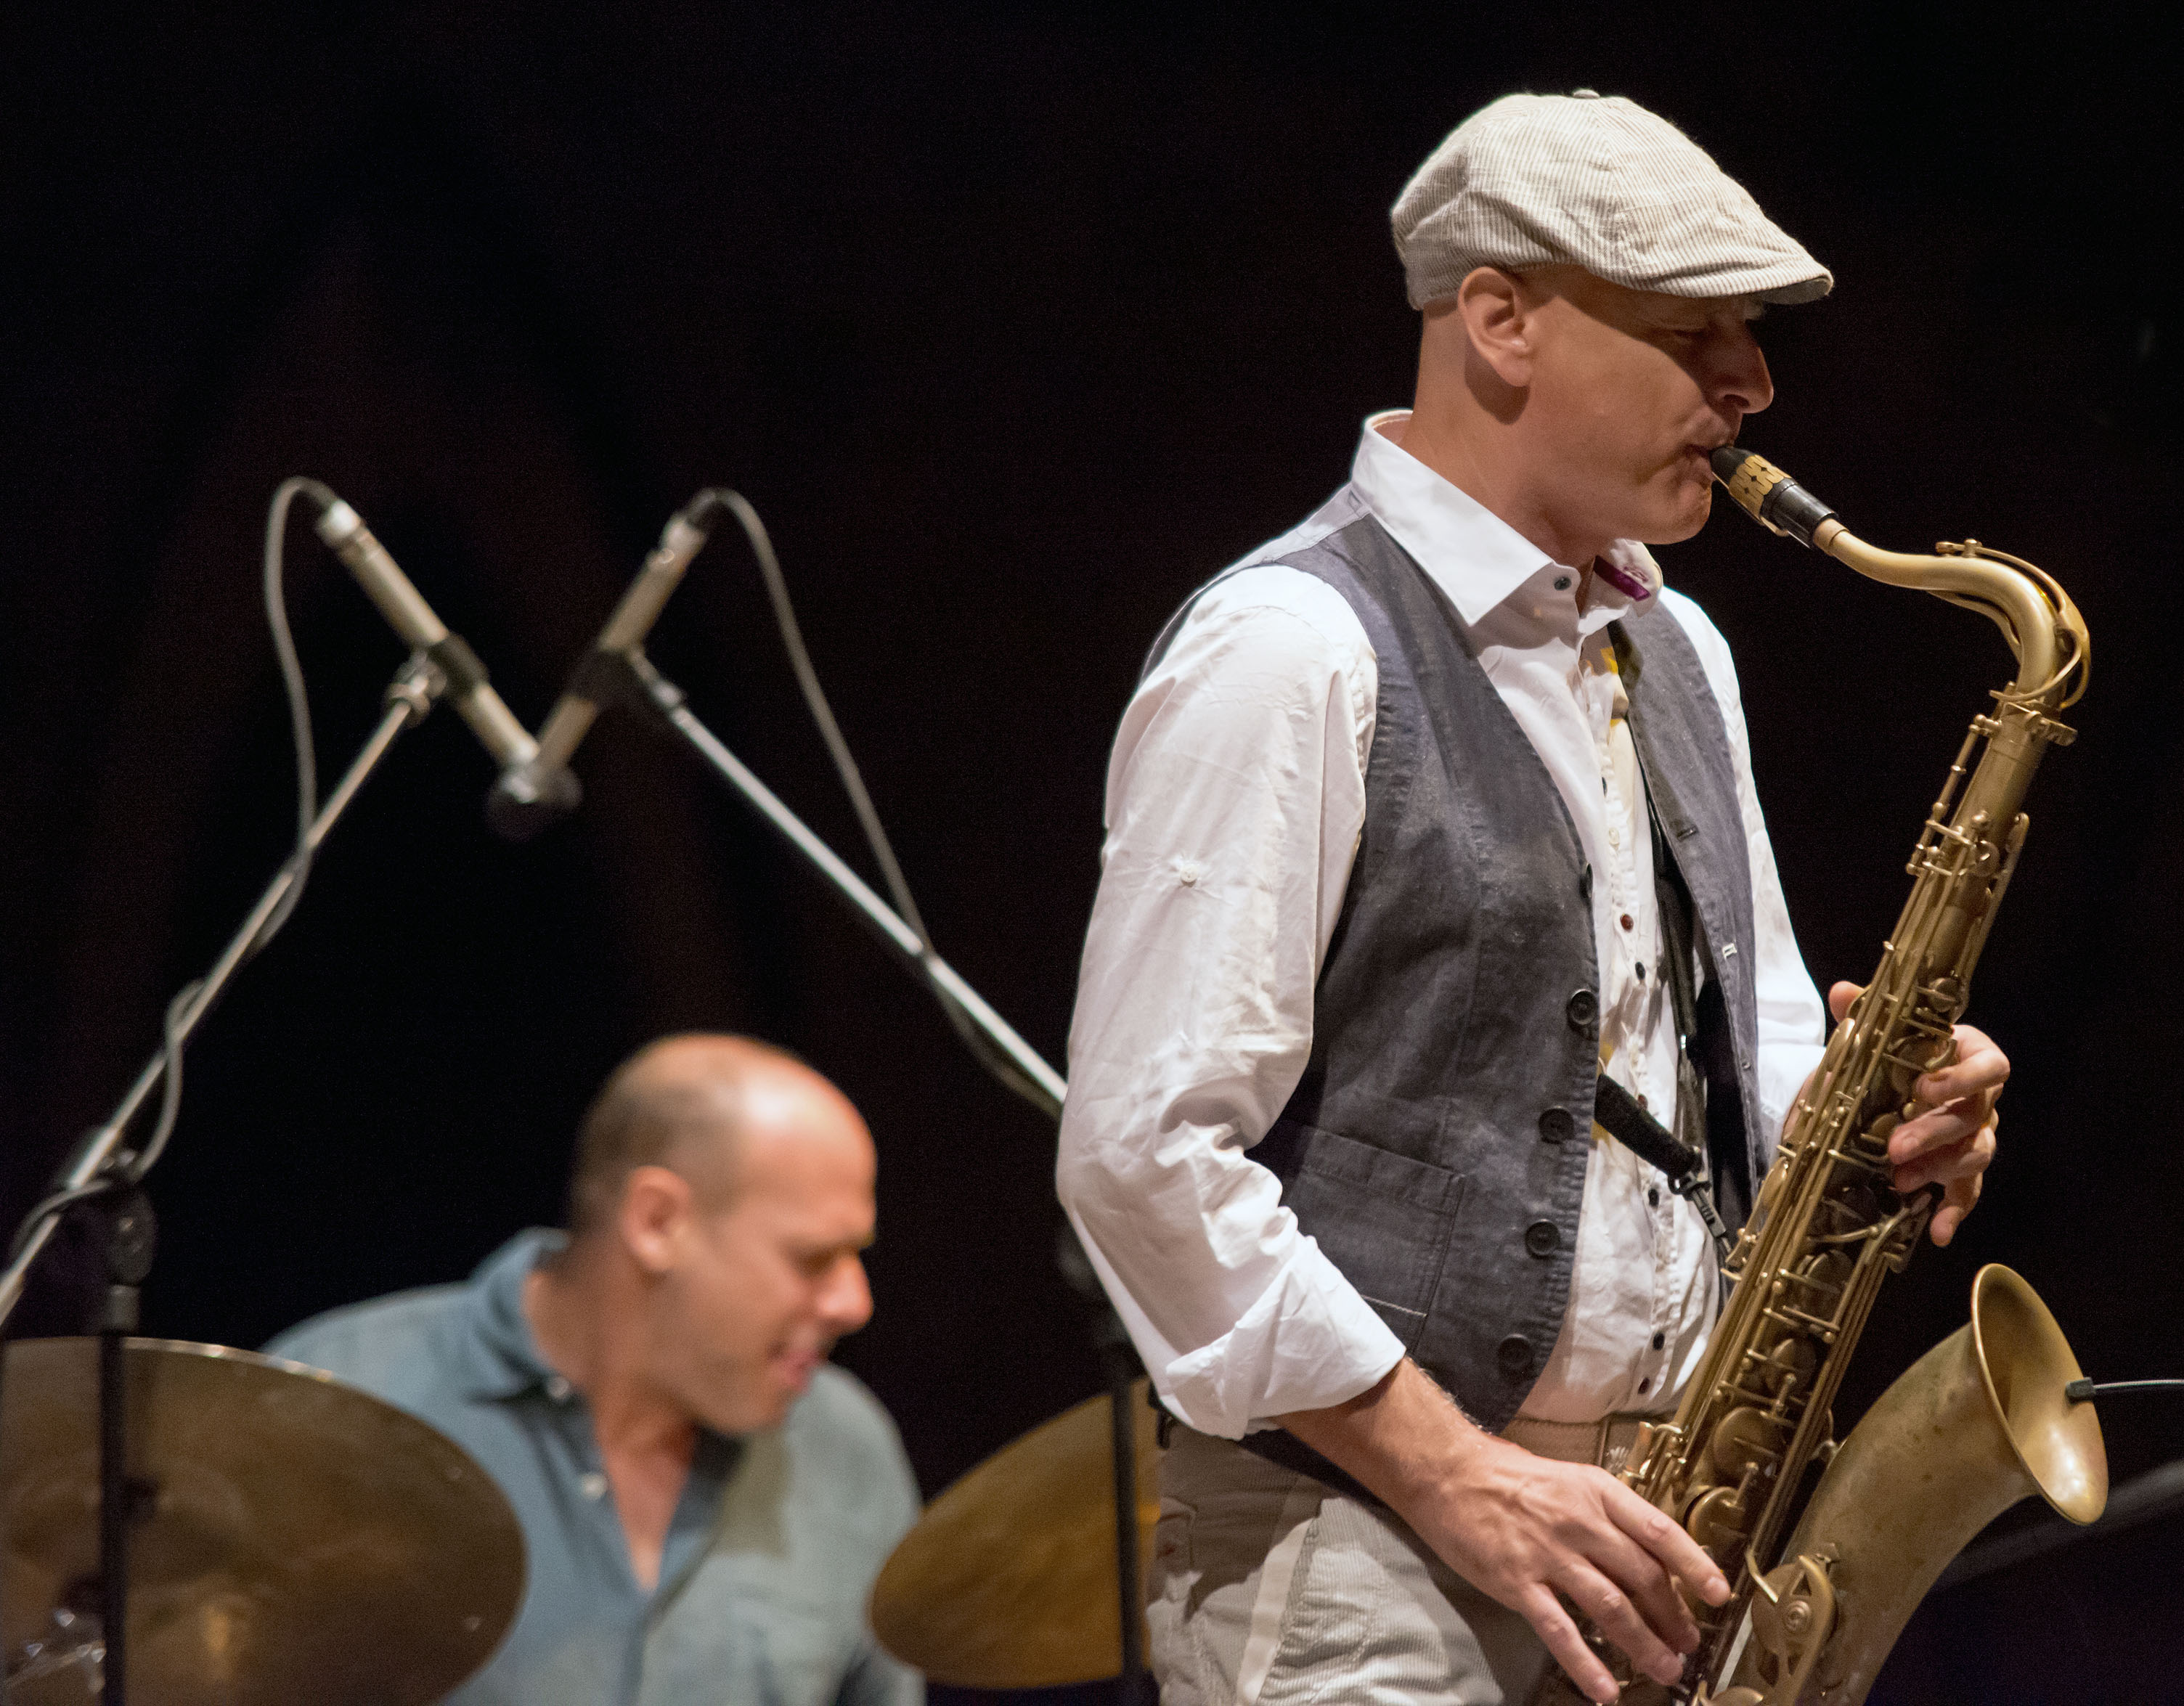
(1015, 322)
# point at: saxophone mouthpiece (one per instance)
(1773, 499)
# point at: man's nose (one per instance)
(845, 1300)
(1741, 380)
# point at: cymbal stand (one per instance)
(128, 1235)
(631, 674)
(105, 1170)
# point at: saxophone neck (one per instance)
(2035, 615)
(2042, 628)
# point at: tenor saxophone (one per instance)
(1982, 1420)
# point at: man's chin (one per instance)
(792, 1376)
(1679, 520)
(764, 1402)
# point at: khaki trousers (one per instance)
(1268, 1589)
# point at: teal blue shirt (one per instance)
(769, 1558)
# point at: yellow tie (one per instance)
(1623, 777)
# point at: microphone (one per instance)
(535, 790)
(408, 614)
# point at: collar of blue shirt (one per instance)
(495, 1356)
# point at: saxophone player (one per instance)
(1427, 819)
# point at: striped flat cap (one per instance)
(1598, 181)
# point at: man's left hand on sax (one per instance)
(1949, 1140)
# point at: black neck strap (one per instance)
(1681, 1154)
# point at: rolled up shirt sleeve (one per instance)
(1792, 1021)
(1235, 797)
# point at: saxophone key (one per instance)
(1827, 1270)
(1787, 1366)
(1744, 1440)
(1797, 1321)
(1718, 1521)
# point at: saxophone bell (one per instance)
(1980, 1421)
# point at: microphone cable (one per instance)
(853, 784)
(133, 1169)
(2081, 1391)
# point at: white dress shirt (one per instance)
(1235, 800)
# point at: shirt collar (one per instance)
(496, 1356)
(1477, 559)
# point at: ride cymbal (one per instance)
(1008, 1579)
(292, 1538)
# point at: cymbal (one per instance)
(294, 1538)
(1008, 1579)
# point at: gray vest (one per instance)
(1436, 1145)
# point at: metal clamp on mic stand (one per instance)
(106, 1173)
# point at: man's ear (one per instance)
(655, 1214)
(1497, 320)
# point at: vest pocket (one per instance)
(1383, 1219)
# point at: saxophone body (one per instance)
(1982, 1420)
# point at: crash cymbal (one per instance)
(1008, 1580)
(294, 1539)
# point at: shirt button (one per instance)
(1615, 838)
(594, 1485)
(1629, 923)
(1583, 1009)
(1659, 1340)
(1543, 1237)
(1556, 1125)
(1562, 584)
(1641, 1099)
(557, 1389)
(1189, 873)
(1514, 1356)
(1645, 1384)
(1653, 1198)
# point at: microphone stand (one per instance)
(105, 1171)
(659, 695)
(632, 673)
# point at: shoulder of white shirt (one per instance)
(1234, 600)
(1237, 601)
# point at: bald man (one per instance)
(705, 1499)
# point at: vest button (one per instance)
(1556, 1125)
(1543, 1238)
(1583, 1009)
(1514, 1356)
